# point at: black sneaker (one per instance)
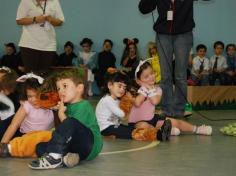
(163, 134)
(4, 152)
(46, 162)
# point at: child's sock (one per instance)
(9, 148)
(175, 131)
(194, 129)
(56, 155)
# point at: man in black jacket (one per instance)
(174, 38)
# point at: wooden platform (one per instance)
(211, 94)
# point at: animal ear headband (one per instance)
(8, 70)
(30, 75)
(127, 41)
(141, 62)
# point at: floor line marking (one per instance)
(152, 144)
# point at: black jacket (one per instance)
(182, 20)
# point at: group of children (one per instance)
(96, 63)
(206, 71)
(79, 135)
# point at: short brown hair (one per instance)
(77, 75)
(8, 80)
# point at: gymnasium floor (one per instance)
(189, 155)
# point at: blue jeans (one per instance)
(70, 136)
(174, 97)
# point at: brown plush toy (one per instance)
(48, 100)
(144, 134)
(126, 103)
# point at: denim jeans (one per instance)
(70, 136)
(174, 96)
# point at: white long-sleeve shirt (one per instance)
(108, 112)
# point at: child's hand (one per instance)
(61, 111)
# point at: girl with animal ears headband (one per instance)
(141, 62)
(47, 93)
(130, 49)
(8, 70)
(30, 75)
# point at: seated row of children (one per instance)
(206, 71)
(78, 137)
(202, 71)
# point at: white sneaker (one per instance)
(71, 159)
(175, 131)
(204, 130)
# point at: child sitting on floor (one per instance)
(78, 137)
(28, 118)
(143, 115)
(110, 115)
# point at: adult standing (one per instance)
(174, 37)
(38, 38)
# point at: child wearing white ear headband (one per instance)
(29, 117)
(143, 112)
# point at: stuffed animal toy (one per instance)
(126, 104)
(145, 134)
(48, 100)
(48, 96)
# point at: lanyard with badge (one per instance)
(43, 9)
(170, 12)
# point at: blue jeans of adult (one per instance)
(174, 96)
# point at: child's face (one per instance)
(32, 97)
(9, 50)
(107, 46)
(117, 89)
(147, 77)
(68, 91)
(132, 49)
(153, 51)
(86, 47)
(231, 51)
(201, 52)
(68, 50)
(218, 49)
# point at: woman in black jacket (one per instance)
(174, 38)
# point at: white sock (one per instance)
(194, 129)
(9, 148)
(56, 155)
(175, 131)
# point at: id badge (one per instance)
(169, 15)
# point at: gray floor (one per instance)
(189, 155)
